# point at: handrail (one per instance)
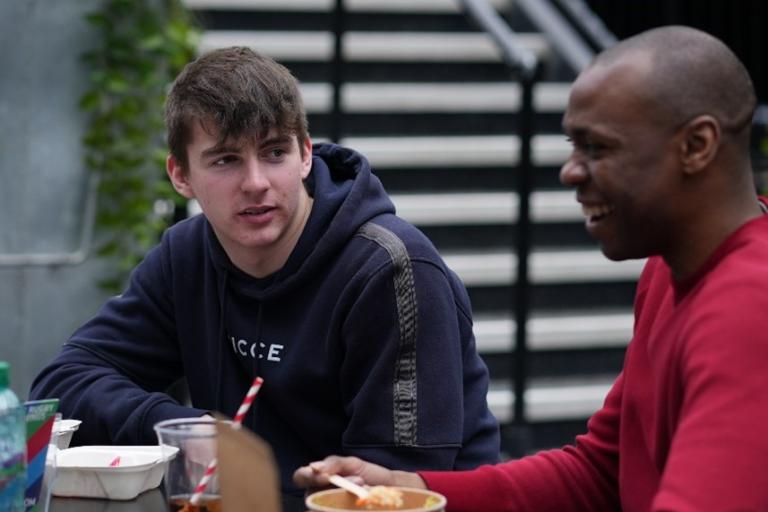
(525, 64)
(563, 36)
(589, 23)
(513, 53)
(75, 257)
(339, 22)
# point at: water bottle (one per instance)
(13, 447)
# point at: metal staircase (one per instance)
(424, 95)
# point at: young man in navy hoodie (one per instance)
(299, 271)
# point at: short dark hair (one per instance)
(237, 91)
(693, 73)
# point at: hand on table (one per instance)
(315, 474)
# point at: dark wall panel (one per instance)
(741, 24)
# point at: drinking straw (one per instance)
(239, 416)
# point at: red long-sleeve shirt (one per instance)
(685, 425)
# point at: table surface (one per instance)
(150, 501)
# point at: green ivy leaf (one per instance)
(98, 19)
(90, 101)
(145, 43)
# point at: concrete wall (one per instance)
(43, 183)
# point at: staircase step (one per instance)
(465, 97)
(313, 45)
(432, 46)
(399, 6)
(451, 97)
(423, 6)
(552, 401)
(474, 208)
(472, 151)
(551, 266)
(558, 364)
(597, 295)
(261, 5)
(574, 331)
(317, 97)
(281, 45)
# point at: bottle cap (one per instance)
(4, 370)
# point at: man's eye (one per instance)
(224, 160)
(587, 147)
(275, 154)
(592, 147)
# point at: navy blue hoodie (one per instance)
(364, 340)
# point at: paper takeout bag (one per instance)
(247, 471)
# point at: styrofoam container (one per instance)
(63, 432)
(85, 471)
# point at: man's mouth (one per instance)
(596, 212)
(261, 210)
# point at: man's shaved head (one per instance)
(691, 73)
(660, 128)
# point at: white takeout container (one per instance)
(63, 432)
(85, 471)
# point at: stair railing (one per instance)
(589, 25)
(566, 34)
(524, 66)
(339, 21)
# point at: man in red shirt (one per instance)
(660, 127)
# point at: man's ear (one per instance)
(700, 143)
(178, 177)
(306, 158)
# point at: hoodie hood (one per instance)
(346, 195)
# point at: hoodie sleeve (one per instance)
(413, 385)
(113, 371)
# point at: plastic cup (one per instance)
(339, 500)
(195, 439)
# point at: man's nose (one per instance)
(573, 172)
(254, 178)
